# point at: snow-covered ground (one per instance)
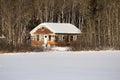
(60, 49)
(84, 65)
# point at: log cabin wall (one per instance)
(66, 39)
(37, 39)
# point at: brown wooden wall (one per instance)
(61, 43)
(43, 31)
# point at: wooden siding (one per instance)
(43, 31)
(52, 42)
(40, 43)
(37, 43)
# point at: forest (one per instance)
(98, 20)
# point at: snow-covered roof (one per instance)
(58, 28)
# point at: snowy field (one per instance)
(84, 65)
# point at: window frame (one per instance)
(74, 37)
(37, 37)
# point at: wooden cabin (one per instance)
(48, 34)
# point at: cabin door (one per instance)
(46, 38)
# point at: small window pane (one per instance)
(75, 37)
(37, 37)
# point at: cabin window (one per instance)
(75, 37)
(49, 37)
(61, 37)
(65, 37)
(52, 37)
(56, 38)
(34, 38)
(71, 38)
(37, 37)
(40, 37)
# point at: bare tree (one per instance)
(99, 20)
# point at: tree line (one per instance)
(98, 20)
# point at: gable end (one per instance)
(43, 30)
